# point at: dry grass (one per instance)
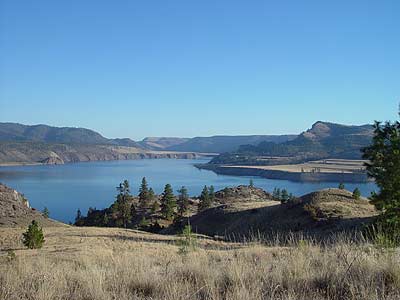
(109, 263)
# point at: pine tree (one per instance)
(78, 216)
(284, 196)
(155, 207)
(211, 192)
(33, 238)
(168, 203)
(46, 212)
(144, 194)
(183, 201)
(205, 201)
(356, 194)
(152, 195)
(122, 204)
(384, 166)
(251, 183)
(341, 186)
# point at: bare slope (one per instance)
(15, 210)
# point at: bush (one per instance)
(33, 238)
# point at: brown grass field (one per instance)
(110, 263)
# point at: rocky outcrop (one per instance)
(242, 193)
(16, 211)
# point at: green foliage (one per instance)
(205, 201)
(183, 201)
(188, 242)
(144, 223)
(144, 194)
(168, 203)
(46, 212)
(123, 205)
(33, 238)
(384, 167)
(282, 195)
(341, 186)
(155, 207)
(251, 183)
(356, 194)
(211, 192)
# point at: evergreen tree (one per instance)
(168, 203)
(211, 192)
(205, 201)
(251, 183)
(152, 195)
(33, 238)
(384, 167)
(144, 194)
(341, 186)
(284, 196)
(78, 216)
(356, 194)
(46, 212)
(122, 205)
(183, 201)
(155, 207)
(105, 219)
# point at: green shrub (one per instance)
(33, 238)
(188, 242)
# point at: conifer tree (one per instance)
(122, 204)
(33, 238)
(183, 201)
(356, 194)
(78, 216)
(144, 194)
(341, 186)
(46, 212)
(205, 201)
(284, 196)
(168, 203)
(251, 183)
(211, 192)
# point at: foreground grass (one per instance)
(106, 263)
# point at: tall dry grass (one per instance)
(303, 270)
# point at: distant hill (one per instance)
(225, 143)
(161, 143)
(14, 132)
(324, 140)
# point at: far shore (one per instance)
(329, 170)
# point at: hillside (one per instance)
(318, 214)
(14, 132)
(324, 140)
(15, 210)
(221, 144)
(161, 143)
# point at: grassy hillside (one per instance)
(109, 263)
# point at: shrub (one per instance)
(189, 241)
(33, 238)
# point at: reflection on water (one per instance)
(64, 188)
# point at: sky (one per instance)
(189, 68)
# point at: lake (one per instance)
(65, 188)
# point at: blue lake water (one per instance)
(65, 188)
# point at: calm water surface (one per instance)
(65, 188)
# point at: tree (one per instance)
(78, 216)
(183, 201)
(122, 205)
(211, 192)
(152, 195)
(205, 201)
(144, 194)
(356, 194)
(341, 186)
(284, 196)
(168, 203)
(33, 238)
(155, 207)
(384, 167)
(251, 183)
(46, 212)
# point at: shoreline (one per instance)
(139, 156)
(349, 177)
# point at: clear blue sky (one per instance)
(195, 68)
